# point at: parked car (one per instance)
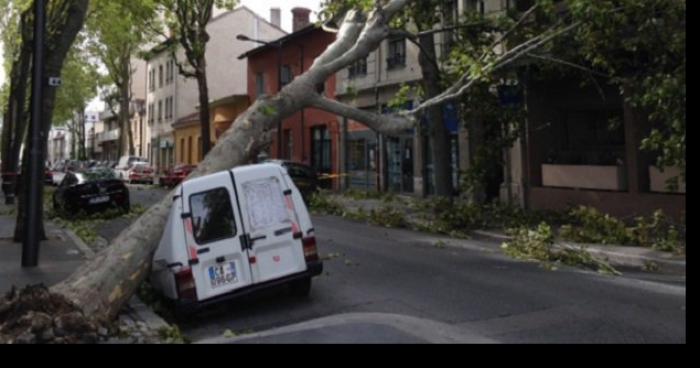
(48, 176)
(175, 176)
(121, 170)
(90, 191)
(304, 176)
(234, 232)
(141, 172)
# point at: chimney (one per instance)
(301, 18)
(276, 17)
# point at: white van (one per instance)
(232, 233)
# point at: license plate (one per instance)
(223, 274)
(98, 200)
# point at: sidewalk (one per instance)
(644, 259)
(59, 257)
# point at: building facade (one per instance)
(310, 136)
(171, 97)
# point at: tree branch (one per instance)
(386, 124)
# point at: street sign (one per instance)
(55, 82)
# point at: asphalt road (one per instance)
(478, 290)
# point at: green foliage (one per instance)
(657, 232)
(592, 226)
(324, 204)
(387, 216)
(538, 245)
(172, 335)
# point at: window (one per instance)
(160, 76)
(152, 80)
(397, 53)
(212, 216)
(160, 111)
(259, 84)
(288, 143)
(170, 72)
(182, 150)
(321, 149)
(286, 75)
(474, 6)
(359, 68)
(189, 150)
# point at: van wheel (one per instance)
(301, 288)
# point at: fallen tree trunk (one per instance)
(102, 286)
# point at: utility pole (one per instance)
(34, 175)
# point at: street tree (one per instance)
(65, 19)
(183, 23)
(116, 32)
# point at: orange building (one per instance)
(188, 135)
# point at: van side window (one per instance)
(212, 216)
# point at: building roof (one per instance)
(302, 32)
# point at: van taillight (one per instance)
(310, 251)
(186, 287)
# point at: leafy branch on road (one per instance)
(538, 245)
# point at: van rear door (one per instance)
(213, 229)
(274, 235)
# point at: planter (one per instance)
(584, 177)
(657, 179)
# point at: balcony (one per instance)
(108, 136)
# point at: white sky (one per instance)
(261, 7)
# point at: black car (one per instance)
(304, 177)
(90, 191)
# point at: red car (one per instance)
(141, 173)
(176, 175)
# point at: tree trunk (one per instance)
(17, 109)
(204, 108)
(61, 41)
(438, 134)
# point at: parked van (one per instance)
(232, 233)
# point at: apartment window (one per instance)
(160, 111)
(170, 75)
(358, 69)
(288, 143)
(160, 76)
(182, 150)
(286, 75)
(321, 149)
(259, 84)
(189, 150)
(397, 53)
(474, 6)
(152, 80)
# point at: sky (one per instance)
(261, 7)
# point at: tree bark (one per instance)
(438, 134)
(59, 40)
(126, 142)
(204, 107)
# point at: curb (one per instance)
(615, 258)
(138, 308)
(87, 251)
(145, 314)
